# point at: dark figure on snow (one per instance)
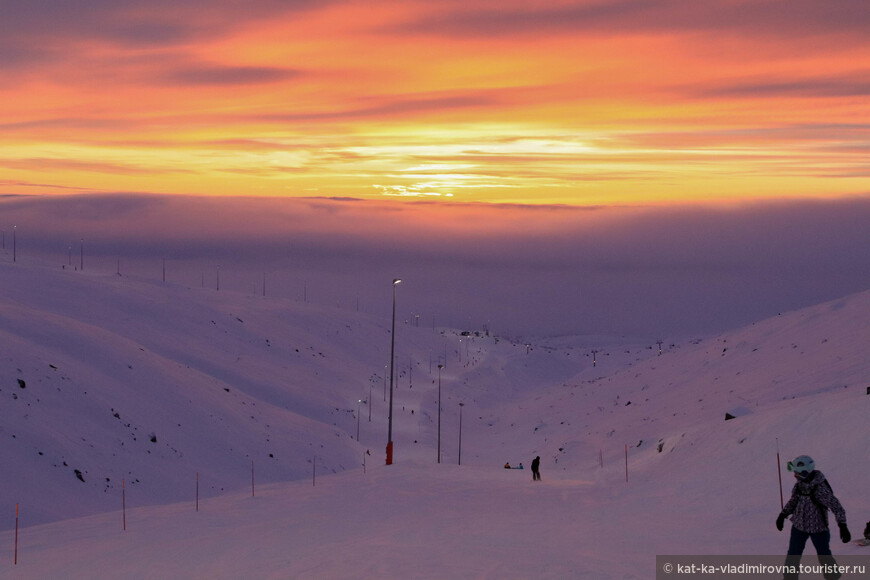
(811, 498)
(536, 465)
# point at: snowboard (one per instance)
(863, 542)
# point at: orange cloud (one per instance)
(563, 101)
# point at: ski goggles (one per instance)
(800, 468)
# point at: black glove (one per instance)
(780, 520)
(844, 533)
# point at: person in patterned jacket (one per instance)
(811, 498)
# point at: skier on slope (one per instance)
(811, 498)
(866, 540)
(536, 465)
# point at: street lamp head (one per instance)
(397, 281)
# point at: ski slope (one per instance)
(152, 383)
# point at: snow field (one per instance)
(220, 379)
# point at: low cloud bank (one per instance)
(653, 272)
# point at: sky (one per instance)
(581, 103)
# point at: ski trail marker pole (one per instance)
(626, 463)
(16, 534)
(779, 473)
(124, 502)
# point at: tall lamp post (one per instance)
(439, 412)
(460, 432)
(396, 282)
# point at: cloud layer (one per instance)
(581, 102)
(653, 272)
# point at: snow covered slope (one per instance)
(106, 378)
(791, 375)
(109, 378)
(103, 378)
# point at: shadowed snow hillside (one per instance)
(106, 378)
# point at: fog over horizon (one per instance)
(648, 272)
